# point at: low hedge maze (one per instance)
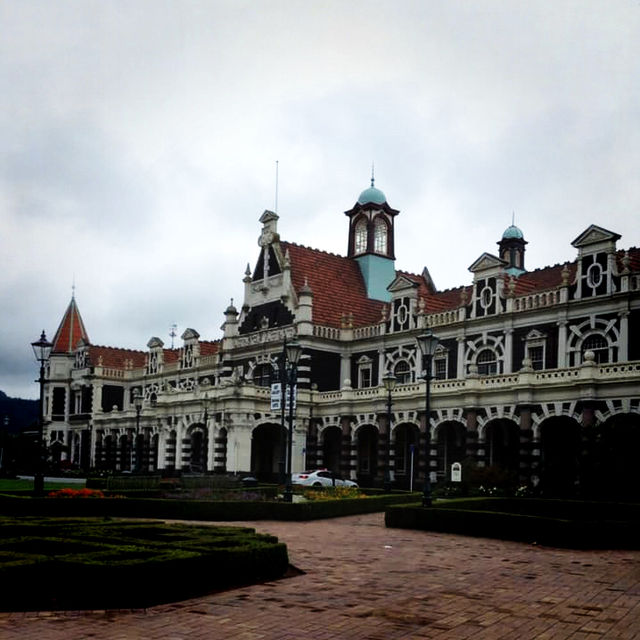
(92, 564)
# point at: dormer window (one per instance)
(361, 236)
(535, 348)
(365, 369)
(380, 236)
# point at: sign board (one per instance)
(456, 472)
(276, 397)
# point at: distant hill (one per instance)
(16, 414)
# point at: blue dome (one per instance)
(372, 195)
(512, 232)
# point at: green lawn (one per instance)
(20, 485)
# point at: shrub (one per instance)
(560, 523)
(74, 563)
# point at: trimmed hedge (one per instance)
(195, 509)
(572, 524)
(71, 563)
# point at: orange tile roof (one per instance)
(543, 279)
(71, 331)
(116, 358)
(209, 347)
(337, 284)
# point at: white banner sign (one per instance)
(276, 397)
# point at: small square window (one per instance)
(536, 355)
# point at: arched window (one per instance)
(599, 345)
(361, 236)
(380, 236)
(262, 375)
(487, 362)
(402, 372)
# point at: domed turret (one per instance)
(371, 240)
(512, 248)
(512, 232)
(372, 195)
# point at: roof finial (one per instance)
(513, 218)
(73, 287)
(372, 175)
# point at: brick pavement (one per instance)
(363, 581)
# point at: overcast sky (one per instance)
(139, 142)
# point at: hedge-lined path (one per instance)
(363, 581)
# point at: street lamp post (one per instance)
(389, 381)
(42, 350)
(294, 351)
(282, 474)
(137, 403)
(428, 344)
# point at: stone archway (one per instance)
(268, 452)
(367, 455)
(502, 446)
(560, 447)
(198, 449)
(406, 438)
(332, 449)
(451, 446)
(124, 453)
(608, 467)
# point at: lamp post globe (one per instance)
(42, 351)
(428, 343)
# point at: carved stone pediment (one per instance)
(595, 235)
(190, 334)
(487, 261)
(402, 284)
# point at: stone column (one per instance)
(475, 449)
(508, 351)
(348, 454)
(526, 444)
(345, 371)
(461, 372)
(562, 344)
(97, 398)
(211, 442)
(623, 347)
(241, 437)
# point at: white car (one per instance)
(320, 478)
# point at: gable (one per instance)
(487, 261)
(595, 235)
(402, 284)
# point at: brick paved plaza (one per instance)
(364, 581)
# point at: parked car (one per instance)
(321, 478)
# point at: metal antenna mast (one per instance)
(276, 205)
(173, 333)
